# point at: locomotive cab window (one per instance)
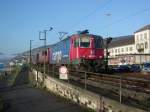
(76, 42)
(85, 42)
(98, 43)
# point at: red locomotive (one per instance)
(82, 50)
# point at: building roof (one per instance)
(147, 27)
(122, 41)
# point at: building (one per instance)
(131, 49)
(142, 40)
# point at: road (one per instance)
(24, 98)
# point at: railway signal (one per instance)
(108, 41)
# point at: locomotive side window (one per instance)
(45, 53)
(76, 42)
(84, 42)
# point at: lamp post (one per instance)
(44, 39)
(30, 52)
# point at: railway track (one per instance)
(136, 90)
(134, 83)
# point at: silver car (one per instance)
(146, 67)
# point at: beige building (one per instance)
(131, 49)
(142, 40)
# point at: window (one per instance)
(122, 49)
(76, 42)
(115, 50)
(112, 51)
(137, 46)
(142, 45)
(141, 37)
(118, 50)
(145, 36)
(146, 45)
(85, 42)
(44, 52)
(98, 42)
(127, 49)
(130, 48)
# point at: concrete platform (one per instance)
(27, 99)
(22, 97)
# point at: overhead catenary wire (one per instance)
(115, 22)
(127, 17)
(106, 26)
(89, 15)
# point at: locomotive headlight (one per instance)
(100, 56)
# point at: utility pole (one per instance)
(45, 50)
(30, 52)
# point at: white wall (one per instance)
(141, 38)
(122, 50)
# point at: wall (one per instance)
(126, 50)
(140, 38)
(81, 96)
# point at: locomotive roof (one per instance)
(68, 37)
(87, 35)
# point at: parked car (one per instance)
(135, 68)
(122, 69)
(146, 67)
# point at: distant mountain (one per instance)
(1, 53)
(5, 57)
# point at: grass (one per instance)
(13, 75)
(145, 104)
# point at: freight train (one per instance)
(82, 51)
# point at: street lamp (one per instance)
(30, 52)
(44, 39)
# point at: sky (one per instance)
(21, 20)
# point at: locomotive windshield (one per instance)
(85, 42)
(98, 43)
